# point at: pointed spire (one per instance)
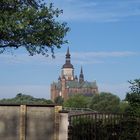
(81, 76)
(68, 62)
(59, 78)
(68, 52)
(81, 70)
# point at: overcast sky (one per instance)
(104, 39)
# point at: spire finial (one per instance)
(81, 76)
(68, 60)
(81, 70)
(68, 52)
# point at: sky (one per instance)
(104, 39)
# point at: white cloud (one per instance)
(77, 58)
(25, 59)
(105, 54)
(98, 11)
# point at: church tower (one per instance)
(69, 84)
(67, 69)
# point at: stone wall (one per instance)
(27, 122)
(40, 123)
(9, 122)
(33, 122)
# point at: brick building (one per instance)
(68, 84)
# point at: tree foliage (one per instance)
(77, 101)
(105, 102)
(25, 99)
(133, 97)
(59, 100)
(30, 24)
(123, 106)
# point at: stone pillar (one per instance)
(23, 112)
(57, 122)
(63, 126)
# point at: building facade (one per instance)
(68, 84)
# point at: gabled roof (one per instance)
(76, 84)
(87, 84)
(57, 84)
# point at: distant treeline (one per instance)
(25, 99)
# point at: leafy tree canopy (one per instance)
(123, 106)
(102, 102)
(133, 97)
(59, 100)
(30, 24)
(25, 99)
(77, 101)
(105, 102)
